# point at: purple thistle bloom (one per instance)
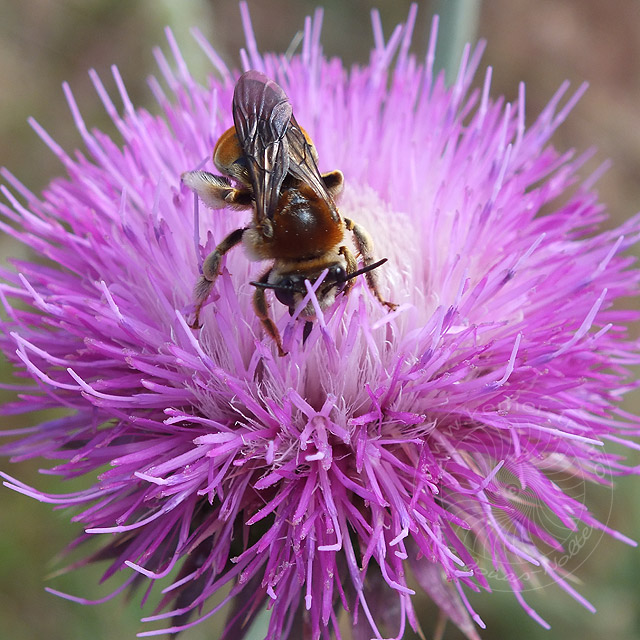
(431, 440)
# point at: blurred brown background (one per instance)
(45, 42)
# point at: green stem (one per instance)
(458, 25)
(258, 630)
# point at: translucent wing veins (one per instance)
(261, 114)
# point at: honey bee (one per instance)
(270, 165)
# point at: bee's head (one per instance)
(289, 287)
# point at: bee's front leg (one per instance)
(210, 270)
(352, 265)
(364, 244)
(261, 307)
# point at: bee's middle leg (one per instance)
(210, 271)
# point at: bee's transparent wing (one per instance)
(302, 163)
(261, 114)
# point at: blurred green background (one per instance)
(45, 42)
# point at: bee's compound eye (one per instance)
(286, 291)
(337, 277)
(339, 274)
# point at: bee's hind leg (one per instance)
(210, 271)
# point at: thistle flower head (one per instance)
(428, 441)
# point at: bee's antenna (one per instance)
(281, 287)
(369, 267)
(284, 287)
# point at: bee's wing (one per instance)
(261, 114)
(302, 163)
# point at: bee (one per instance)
(270, 166)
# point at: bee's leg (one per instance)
(308, 325)
(364, 244)
(217, 192)
(261, 307)
(210, 270)
(352, 266)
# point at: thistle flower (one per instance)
(430, 440)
